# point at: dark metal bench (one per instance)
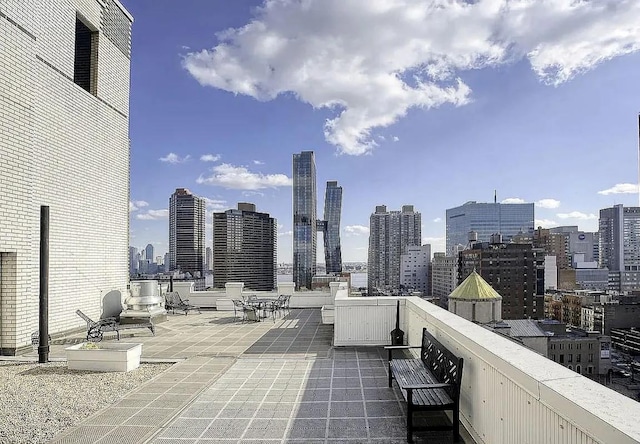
(96, 329)
(429, 383)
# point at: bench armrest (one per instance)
(425, 386)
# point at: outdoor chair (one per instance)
(96, 329)
(285, 303)
(249, 313)
(174, 302)
(275, 307)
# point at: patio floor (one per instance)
(266, 382)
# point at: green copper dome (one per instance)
(474, 288)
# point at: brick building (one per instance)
(64, 143)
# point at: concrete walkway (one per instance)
(267, 382)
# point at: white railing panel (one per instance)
(511, 394)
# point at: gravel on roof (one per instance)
(38, 401)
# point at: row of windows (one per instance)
(570, 358)
(570, 346)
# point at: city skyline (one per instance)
(563, 135)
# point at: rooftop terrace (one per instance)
(298, 380)
(267, 382)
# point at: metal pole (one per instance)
(171, 283)
(43, 345)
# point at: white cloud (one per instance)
(153, 215)
(252, 193)
(258, 162)
(577, 215)
(513, 200)
(240, 178)
(285, 233)
(137, 204)
(396, 138)
(437, 219)
(621, 188)
(210, 157)
(216, 204)
(174, 158)
(545, 223)
(356, 230)
(548, 203)
(429, 240)
(371, 61)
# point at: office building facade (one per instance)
(331, 224)
(619, 242)
(516, 271)
(486, 219)
(245, 248)
(64, 97)
(390, 233)
(305, 217)
(186, 233)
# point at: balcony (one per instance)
(297, 380)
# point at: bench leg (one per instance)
(409, 416)
(456, 424)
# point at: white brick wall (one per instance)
(59, 146)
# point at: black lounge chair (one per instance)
(96, 329)
(173, 302)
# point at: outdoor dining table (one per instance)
(260, 304)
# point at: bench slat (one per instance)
(413, 372)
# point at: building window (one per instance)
(561, 359)
(578, 369)
(578, 358)
(85, 57)
(590, 370)
(590, 357)
(570, 358)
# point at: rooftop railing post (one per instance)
(43, 345)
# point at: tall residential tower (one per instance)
(186, 232)
(304, 219)
(619, 236)
(390, 233)
(245, 248)
(332, 210)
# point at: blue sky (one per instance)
(402, 104)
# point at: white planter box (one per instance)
(110, 357)
(327, 314)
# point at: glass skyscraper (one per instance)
(487, 219)
(332, 209)
(304, 219)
